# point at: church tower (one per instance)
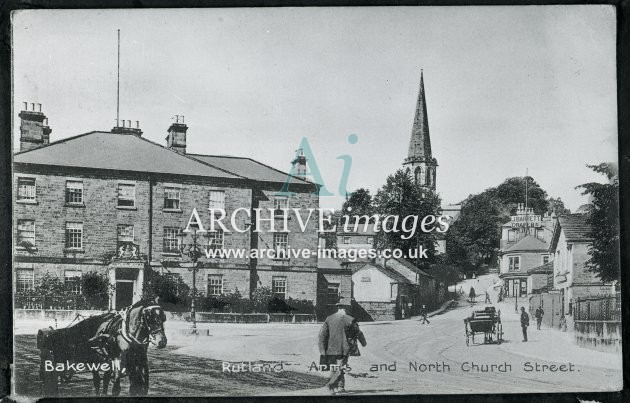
(419, 161)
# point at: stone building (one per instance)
(116, 203)
(569, 246)
(524, 246)
(380, 291)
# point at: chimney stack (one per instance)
(176, 138)
(34, 130)
(126, 128)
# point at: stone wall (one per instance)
(599, 335)
(379, 310)
(233, 279)
(300, 285)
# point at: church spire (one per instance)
(420, 142)
(419, 159)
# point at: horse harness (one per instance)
(124, 329)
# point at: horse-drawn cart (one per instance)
(488, 322)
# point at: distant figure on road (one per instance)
(563, 323)
(337, 341)
(487, 301)
(524, 322)
(423, 315)
(500, 297)
(472, 295)
(539, 315)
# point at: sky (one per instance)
(507, 88)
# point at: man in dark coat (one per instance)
(423, 315)
(337, 341)
(539, 315)
(524, 322)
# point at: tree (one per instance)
(402, 197)
(512, 192)
(556, 206)
(95, 289)
(473, 239)
(603, 217)
(359, 203)
(50, 285)
(170, 289)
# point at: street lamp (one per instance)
(194, 252)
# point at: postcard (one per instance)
(315, 201)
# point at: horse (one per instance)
(120, 339)
(126, 339)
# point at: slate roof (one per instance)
(529, 243)
(326, 264)
(355, 266)
(128, 152)
(542, 269)
(411, 267)
(575, 229)
(247, 167)
(391, 273)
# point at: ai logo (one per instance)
(314, 172)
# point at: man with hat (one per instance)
(337, 341)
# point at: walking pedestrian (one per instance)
(539, 315)
(487, 301)
(423, 315)
(472, 295)
(563, 323)
(524, 322)
(337, 341)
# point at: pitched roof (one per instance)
(575, 227)
(354, 266)
(248, 168)
(326, 264)
(529, 243)
(127, 152)
(542, 269)
(391, 273)
(411, 267)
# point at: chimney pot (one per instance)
(39, 107)
(25, 105)
(33, 106)
(137, 124)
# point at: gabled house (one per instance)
(569, 246)
(381, 292)
(516, 260)
(424, 286)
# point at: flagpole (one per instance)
(118, 85)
